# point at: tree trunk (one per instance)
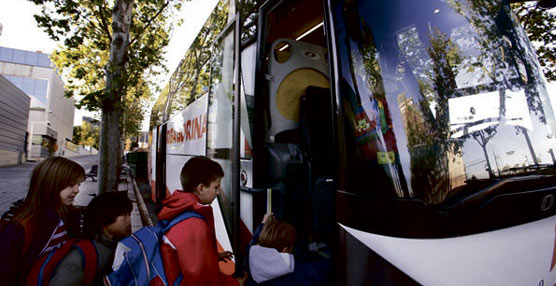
(110, 144)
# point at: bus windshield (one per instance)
(441, 98)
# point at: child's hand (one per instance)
(225, 256)
(268, 217)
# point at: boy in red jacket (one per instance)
(189, 251)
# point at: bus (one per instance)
(413, 141)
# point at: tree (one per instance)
(86, 135)
(107, 54)
(136, 99)
(540, 25)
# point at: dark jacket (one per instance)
(18, 250)
(272, 268)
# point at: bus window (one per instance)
(247, 104)
(442, 101)
(221, 116)
(295, 57)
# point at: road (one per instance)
(14, 179)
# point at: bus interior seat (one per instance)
(288, 136)
(286, 171)
(293, 66)
(285, 161)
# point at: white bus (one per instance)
(412, 140)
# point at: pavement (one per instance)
(139, 216)
(14, 180)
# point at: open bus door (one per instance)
(294, 142)
(223, 129)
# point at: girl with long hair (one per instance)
(45, 221)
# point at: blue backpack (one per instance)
(138, 259)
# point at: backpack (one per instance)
(138, 260)
(43, 269)
(10, 213)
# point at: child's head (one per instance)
(54, 184)
(279, 235)
(108, 214)
(201, 174)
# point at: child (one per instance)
(189, 251)
(107, 220)
(45, 221)
(271, 262)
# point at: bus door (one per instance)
(294, 123)
(223, 137)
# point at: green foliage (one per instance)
(540, 26)
(191, 79)
(135, 108)
(86, 135)
(157, 111)
(86, 31)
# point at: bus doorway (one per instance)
(296, 118)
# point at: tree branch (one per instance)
(148, 23)
(104, 24)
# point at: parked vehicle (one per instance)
(413, 139)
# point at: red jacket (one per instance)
(190, 246)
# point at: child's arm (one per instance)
(255, 238)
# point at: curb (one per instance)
(143, 212)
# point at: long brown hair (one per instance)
(48, 179)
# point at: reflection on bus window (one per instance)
(221, 116)
(440, 95)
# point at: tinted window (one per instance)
(440, 98)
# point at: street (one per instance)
(14, 179)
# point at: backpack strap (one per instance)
(46, 265)
(181, 217)
(89, 256)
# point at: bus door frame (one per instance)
(235, 23)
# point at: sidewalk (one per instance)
(89, 189)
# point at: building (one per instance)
(51, 113)
(14, 117)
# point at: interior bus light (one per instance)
(303, 35)
(283, 48)
(309, 31)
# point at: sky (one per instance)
(20, 31)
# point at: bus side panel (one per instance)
(185, 138)
(518, 255)
(358, 265)
(186, 133)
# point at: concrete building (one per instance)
(51, 113)
(14, 117)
